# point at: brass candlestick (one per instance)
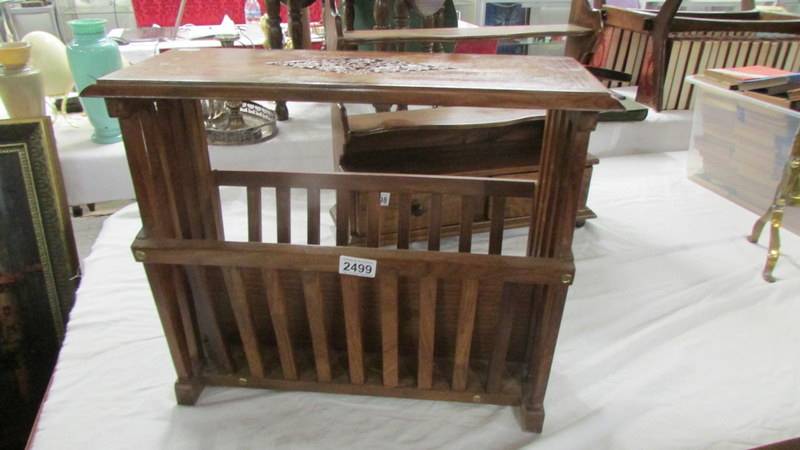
(787, 194)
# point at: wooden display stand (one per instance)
(431, 325)
(477, 142)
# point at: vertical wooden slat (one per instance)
(791, 55)
(254, 213)
(465, 233)
(352, 323)
(764, 53)
(427, 322)
(280, 323)
(752, 54)
(466, 326)
(403, 220)
(616, 36)
(622, 52)
(497, 218)
(187, 314)
(783, 53)
(502, 336)
(373, 219)
(691, 69)
(312, 200)
(159, 277)
(387, 291)
(207, 320)
(633, 52)
(772, 55)
(435, 224)
(284, 211)
(244, 320)
(343, 200)
(316, 323)
(722, 54)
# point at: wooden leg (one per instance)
(168, 158)
(187, 392)
(562, 164)
(281, 111)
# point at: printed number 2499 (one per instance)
(358, 267)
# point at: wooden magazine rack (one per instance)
(432, 325)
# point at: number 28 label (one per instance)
(357, 267)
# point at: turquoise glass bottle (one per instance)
(91, 55)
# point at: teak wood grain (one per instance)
(458, 80)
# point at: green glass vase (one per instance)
(91, 55)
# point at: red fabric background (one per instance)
(202, 12)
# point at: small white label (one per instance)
(357, 267)
(385, 198)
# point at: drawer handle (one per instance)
(417, 209)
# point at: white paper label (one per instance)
(357, 267)
(385, 198)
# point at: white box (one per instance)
(740, 146)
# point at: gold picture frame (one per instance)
(39, 270)
(38, 238)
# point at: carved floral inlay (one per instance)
(358, 65)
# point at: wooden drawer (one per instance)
(517, 211)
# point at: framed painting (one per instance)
(39, 269)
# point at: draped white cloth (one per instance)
(669, 340)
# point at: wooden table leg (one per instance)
(168, 158)
(552, 226)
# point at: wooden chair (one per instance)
(660, 48)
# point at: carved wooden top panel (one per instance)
(502, 81)
(359, 65)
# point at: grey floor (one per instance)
(87, 227)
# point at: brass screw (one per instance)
(242, 380)
(476, 398)
(566, 278)
(138, 255)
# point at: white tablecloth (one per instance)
(96, 173)
(670, 340)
